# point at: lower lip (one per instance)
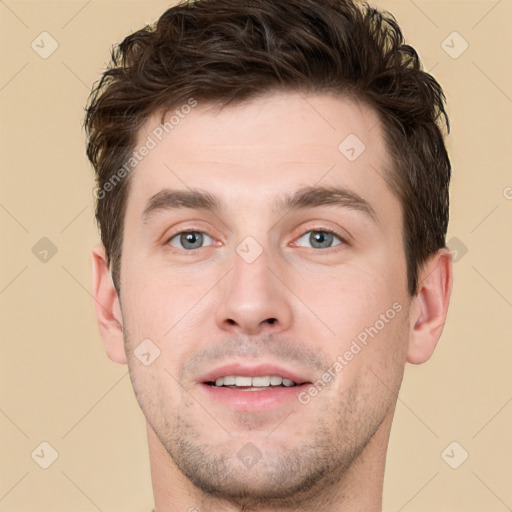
(254, 401)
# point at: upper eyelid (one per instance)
(324, 230)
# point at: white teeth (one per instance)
(243, 381)
(276, 381)
(263, 381)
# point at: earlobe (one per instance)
(107, 307)
(430, 306)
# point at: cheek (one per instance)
(352, 296)
(146, 308)
(165, 308)
(371, 362)
(366, 309)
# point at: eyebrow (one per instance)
(301, 199)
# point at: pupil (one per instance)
(193, 238)
(320, 237)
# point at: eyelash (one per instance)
(315, 230)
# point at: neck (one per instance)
(357, 488)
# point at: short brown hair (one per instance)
(227, 51)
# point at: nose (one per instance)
(254, 299)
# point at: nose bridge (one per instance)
(253, 250)
(253, 297)
(251, 275)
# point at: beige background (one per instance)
(58, 386)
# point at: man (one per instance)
(272, 196)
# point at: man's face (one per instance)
(260, 291)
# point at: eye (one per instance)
(320, 239)
(189, 240)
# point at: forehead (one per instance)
(259, 148)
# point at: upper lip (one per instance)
(259, 370)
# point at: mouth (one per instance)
(259, 383)
(245, 389)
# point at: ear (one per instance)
(430, 305)
(108, 310)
